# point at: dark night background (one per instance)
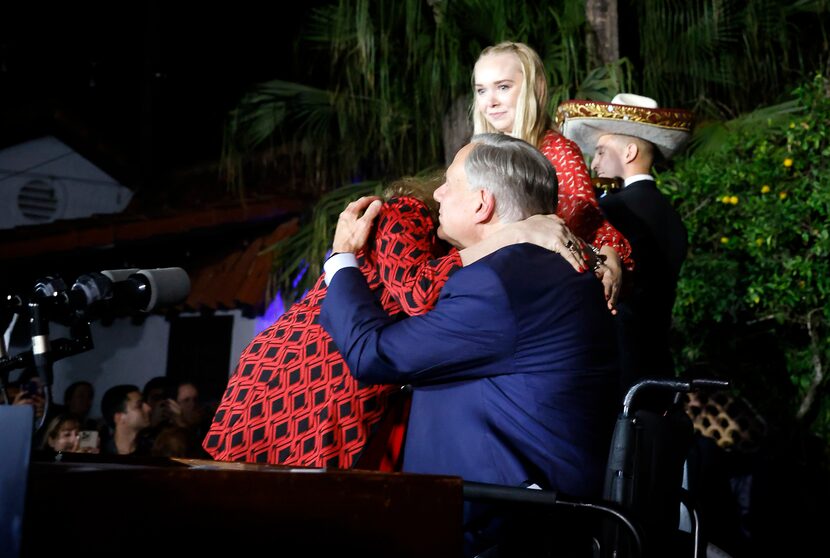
(141, 88)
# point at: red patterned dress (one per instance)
(292, 401)
(577, 203)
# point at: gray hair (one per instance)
(517, 174)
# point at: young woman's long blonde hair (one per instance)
(532, 119)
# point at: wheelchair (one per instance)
(645, 510)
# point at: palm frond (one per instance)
(265, 112)
(298, 259)
(710, 136)
(603, 83)
(393, 70)
(728, 57)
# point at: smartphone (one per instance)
(88, 439)
(31, 388)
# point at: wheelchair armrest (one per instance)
(514, 495)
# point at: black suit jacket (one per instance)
(659, 243)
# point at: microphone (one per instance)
(92, 289)
(153, 288)
(131, 289)
(110, 292)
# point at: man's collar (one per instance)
(637, 178)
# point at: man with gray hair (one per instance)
(513, 371)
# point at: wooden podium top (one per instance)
(116, 506)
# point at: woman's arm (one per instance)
(547, 231)
(412, 262)
(577, 202)
(579, 208)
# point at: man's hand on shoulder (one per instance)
(355, 224)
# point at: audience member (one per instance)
(77, 401)
(26, 390)
(176, 419)
(159, 392)
(192, 410)
(183, 436)
(62, 434)
(127, 414)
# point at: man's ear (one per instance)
(631, 151)
(486, 207)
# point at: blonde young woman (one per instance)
(510, 95)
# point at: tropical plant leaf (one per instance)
(728, 57)
(603, 83)
(298, 260)
(393, 70)
(711, 136)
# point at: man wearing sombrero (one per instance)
(624, 137)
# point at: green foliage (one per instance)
(757, 212)
(394, 70)
(751, 301)
(726, 57)
(301, 259)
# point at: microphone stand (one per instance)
(4, 377)
(52, 300)
(8, 304)
(80, 341)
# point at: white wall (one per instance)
(126, 353)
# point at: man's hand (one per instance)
(353, 228)
(610, 273)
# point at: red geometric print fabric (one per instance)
(291, 399)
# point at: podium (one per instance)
(85, 505)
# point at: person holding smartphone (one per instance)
(29, 392)
(64, 435)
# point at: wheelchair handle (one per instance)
(677, 386)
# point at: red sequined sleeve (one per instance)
(412, 262)
(577, 203)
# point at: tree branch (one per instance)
(818, 370)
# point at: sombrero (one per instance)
(627, 114)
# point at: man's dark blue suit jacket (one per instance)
(514, 370)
